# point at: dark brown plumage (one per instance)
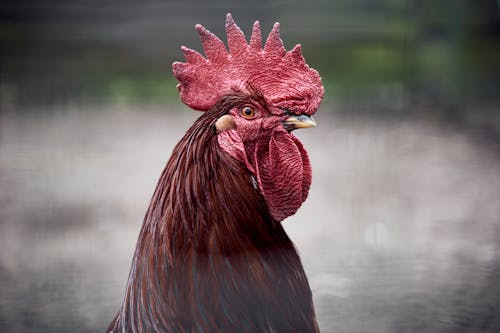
(210, 257)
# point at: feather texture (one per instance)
(210, 257)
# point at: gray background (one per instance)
(401, 230)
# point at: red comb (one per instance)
(283, 77)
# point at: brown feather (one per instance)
(210, 258)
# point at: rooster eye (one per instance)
(247, 112)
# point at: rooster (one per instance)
(212, 255)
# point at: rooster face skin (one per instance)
(259, 135)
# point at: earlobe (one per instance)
(224, 123)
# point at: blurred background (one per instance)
(401, 231)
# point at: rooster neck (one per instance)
(210, 258)
(208, 200)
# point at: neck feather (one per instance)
(209, 256)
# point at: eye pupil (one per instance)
(247, 111)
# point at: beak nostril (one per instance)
(286, 111)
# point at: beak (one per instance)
(300, 121)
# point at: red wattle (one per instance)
(280, 165)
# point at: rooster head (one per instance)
(266, 93)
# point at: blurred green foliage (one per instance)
(127, 90)
(385, 53)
